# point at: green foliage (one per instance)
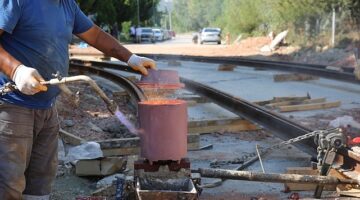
(192, 15)
(304, 18)
(109, 12)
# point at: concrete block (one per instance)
(100, 167)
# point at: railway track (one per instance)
(281, 126)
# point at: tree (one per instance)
(109, 12)
(192, 15)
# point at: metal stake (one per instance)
(260, 160)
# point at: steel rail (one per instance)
(313, 69)
(280, 126)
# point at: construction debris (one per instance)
(290, 104)
(274, 43)
(88, 150)
(344, 121)
(294, 77)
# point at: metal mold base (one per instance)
(154, 189)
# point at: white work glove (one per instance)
(141, 63)
(27, 80)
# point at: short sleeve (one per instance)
(82, 22)
(10, 11)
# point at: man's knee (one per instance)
(7, 193)
(13, 156)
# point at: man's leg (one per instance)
(41, 171)
(16, 128)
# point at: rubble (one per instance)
(88, 150)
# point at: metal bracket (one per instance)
(328, 143)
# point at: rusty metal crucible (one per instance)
(163, 125)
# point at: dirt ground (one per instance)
(91, 119)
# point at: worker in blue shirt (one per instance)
(34, 38)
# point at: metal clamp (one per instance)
(328, 143)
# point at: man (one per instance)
(133, 33)
(34, 38)
(138, 32)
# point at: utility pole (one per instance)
(333, 27)
(138, 13)
(168, 5)
(170, 19)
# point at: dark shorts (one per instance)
(28, 150)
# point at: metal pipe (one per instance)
(275, 178)
(109, 103)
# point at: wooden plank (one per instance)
(121, 151)
(213, 122)
(230, 125)
(70, 138)
(315, 106)
(280, 99)
(287, 103)
(135, 142)
(294, 77)
(226, 67)
(309, 171)
(136, 150)
(352, 192)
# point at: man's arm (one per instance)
(105, 43)
(111, 47)
(27, 79)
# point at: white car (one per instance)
(158, 34)
(210, 35)
(147, 34)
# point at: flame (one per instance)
(122, 118)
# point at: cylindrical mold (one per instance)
(163, 134)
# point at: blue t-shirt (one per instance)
(37, 33)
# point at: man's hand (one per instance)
(141, 63)
(27, 80)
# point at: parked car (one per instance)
(147, 34)
(210, 35)
(158, 34)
